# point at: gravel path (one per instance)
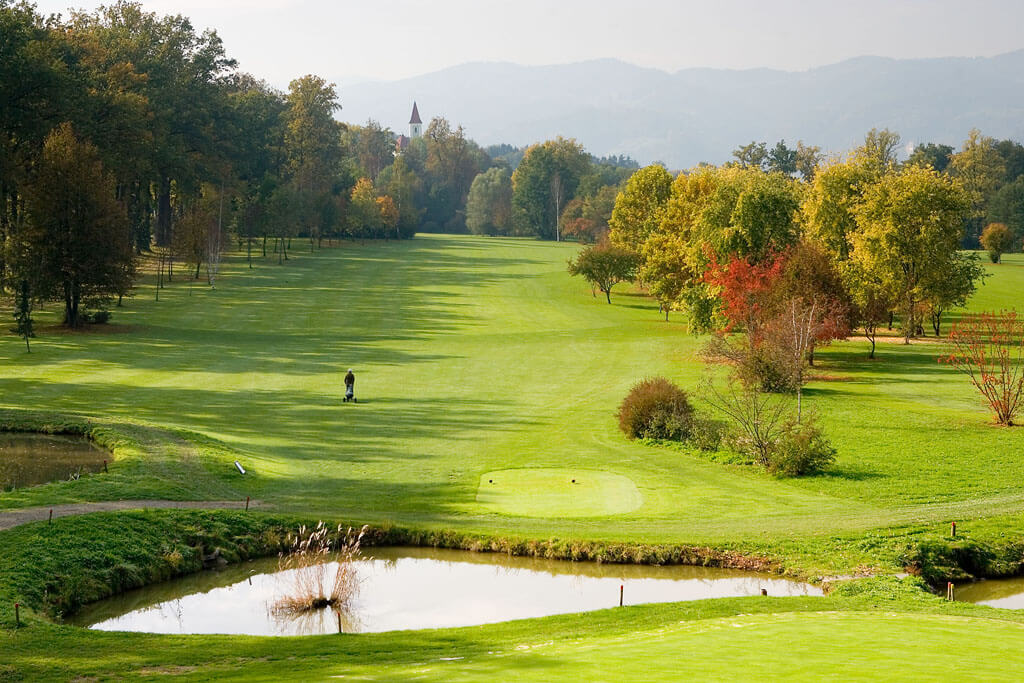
(13, 518)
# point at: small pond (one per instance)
(28, 459)
(1005, 593)
(413, 588)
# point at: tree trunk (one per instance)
(909, 323)
(608, 294)
(163, 213)
(72, 297)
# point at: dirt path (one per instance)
(13, 518)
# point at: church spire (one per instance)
(415, 124)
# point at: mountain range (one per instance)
(697, 115)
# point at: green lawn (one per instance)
(478, 361)
(763, 638)
(479, 355)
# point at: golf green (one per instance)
(554, 492)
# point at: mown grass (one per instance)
(476, 356)
(888, 634)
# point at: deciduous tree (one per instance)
(989, 349)
(76, 244)
(489, 206)
(604, 266)
(639, 207)
(543, 183)
(908, 234)
(996, 239)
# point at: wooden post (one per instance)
(621, 591)
(247, 503)
(17, 615)
(50, 521)
(952, 529)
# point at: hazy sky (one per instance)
(390, 39)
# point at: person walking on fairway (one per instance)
(350, 386)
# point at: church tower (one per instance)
(415, 124)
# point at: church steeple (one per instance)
(415, 124)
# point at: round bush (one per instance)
(655, 408)
(803, 449)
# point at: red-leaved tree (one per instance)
(746, 289)
(988, 348)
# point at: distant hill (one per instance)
(703, 114)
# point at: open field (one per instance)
(480, 360)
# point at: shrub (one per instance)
(707, 434)
(99, 317)
(996, 239)
(767, 371)
(655, 408)
(801, 449)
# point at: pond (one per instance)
(28, 459)
(1004, 593)
(413, 588)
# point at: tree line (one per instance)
(552, 190)
(174, 151)
(880, 237)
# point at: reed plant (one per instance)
(318, 569)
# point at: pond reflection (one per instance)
(411, 588)
(28, 459)
(1004, 593)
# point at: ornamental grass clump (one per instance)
(318, 570)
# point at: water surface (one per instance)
(412, 588)
(28, 459)
(1004, 593)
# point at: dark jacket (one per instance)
(350, 380)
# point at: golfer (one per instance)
(350, 386)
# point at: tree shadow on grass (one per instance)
(341, 307)
(849, 473)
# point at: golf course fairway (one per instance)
(488, 380)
